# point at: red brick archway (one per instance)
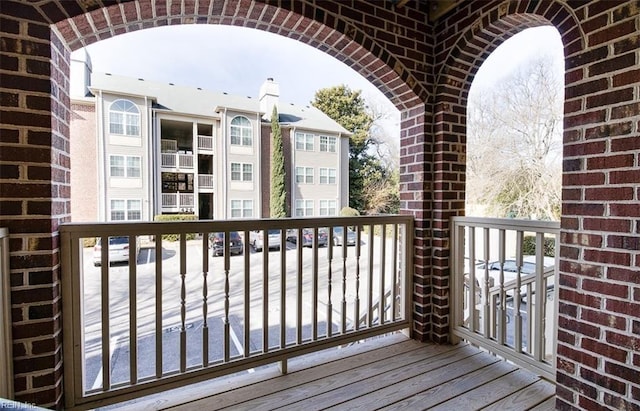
(454, 74)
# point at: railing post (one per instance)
(6, 355)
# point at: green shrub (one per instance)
(176, 217)
(548, 245)
(349, 212)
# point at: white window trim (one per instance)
(125, 116)
(126, 202)
(306, 208)
(246, 208)
(240, 128)
(242, 172)
(125, 167)
(328, 207)
(305, 141)
(328, 176)
(331, 146)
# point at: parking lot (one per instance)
(147, 295)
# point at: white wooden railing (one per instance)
(502, 299)
(175, 314)
(179, 161)
(177, 201)
(205, 143)
(205, 181)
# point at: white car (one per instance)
(510, 272)
(257, 239)
(118, 250)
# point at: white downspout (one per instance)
(225, 158)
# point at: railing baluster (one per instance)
(314, 293)
(247, 295)
(133, 312)
(299, 287)
(205, 297)
(158, 308)
(344, 280)
(486, 301)
(473, 326)
(283, 289)
(502, 320)
(539, 297)
(370, 282)
(265, 291)
(382, 303)
(516, 305)
(183, 302)
(227, 264)
(104, 293)
(356, 315)
(329, 273)
(396, 273)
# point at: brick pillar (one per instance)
(34, 194)
(415, 199)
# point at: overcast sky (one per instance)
(237, 60)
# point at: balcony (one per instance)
(205, 181)
(177, 202)
(205, 144)
(177, 161)
(269, 321)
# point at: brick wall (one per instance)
(84, 196)
(426, 70)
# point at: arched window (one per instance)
(241, 132)
(124, 118)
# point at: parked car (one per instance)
(510, 271)
(257, 239)
(118, 250)
(307, 237)
(339, 238)
(216, 243)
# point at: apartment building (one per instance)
(146, 148)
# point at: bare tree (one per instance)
(514, 145)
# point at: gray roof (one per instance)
(199, 102)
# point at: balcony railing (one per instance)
(180, 161)
(503, 288)
(177, 201)
(173, 314)
(205, 181)
(205, 143)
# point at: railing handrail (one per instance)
(511, 224)
(200, 226)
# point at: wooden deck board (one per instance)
(391, 372)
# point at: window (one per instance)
(241, 133)
(304, 141)
(241, 172)
(327, 175)
(117, 166)
(328, 207)
(125, 210)
(304, 175)
(328, 144)
(241, 208)
(304, 208)
(124, 118)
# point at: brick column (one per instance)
(34, 194)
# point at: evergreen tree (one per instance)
(278, 200)
(348, 108)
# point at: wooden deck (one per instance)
(390, 372)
